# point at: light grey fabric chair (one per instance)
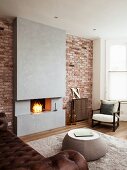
(108, 113)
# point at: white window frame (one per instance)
(109, 43)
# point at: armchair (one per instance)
(108, 113)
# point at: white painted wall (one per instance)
(99, 76)
(123, 111)
(98, 72)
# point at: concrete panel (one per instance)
(25, 124)
(22, 107)
(28, 124)
(41, 69)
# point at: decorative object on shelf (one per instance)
(75, 93)
(55, 108)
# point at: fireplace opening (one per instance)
(40, 105)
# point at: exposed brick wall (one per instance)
(79, 56)
(6, 69)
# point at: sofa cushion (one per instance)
(16, 155)
(65, 160)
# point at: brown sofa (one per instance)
(17, 155)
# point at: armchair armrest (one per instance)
(117, 114)
(94, 111)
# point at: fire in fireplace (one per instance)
(37, 107)
(40, 105)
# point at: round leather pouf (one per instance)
(91, 147)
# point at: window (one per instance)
(116, 71)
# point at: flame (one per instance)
(37, 107)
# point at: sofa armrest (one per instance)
(65, 160)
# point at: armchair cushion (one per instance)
(104, 118)
(107, 109)
(115, 102)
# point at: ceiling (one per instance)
(77, 17)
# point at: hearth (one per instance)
(40, 105)
(48, 114)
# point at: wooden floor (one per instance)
(121, 132)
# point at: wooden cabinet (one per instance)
(79, 109)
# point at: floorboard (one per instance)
(121, 132)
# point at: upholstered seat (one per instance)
(104, 118)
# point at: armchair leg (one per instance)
(118, 122)
(114, 123)
(114, 128)
(92, 123)
(95, 123)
